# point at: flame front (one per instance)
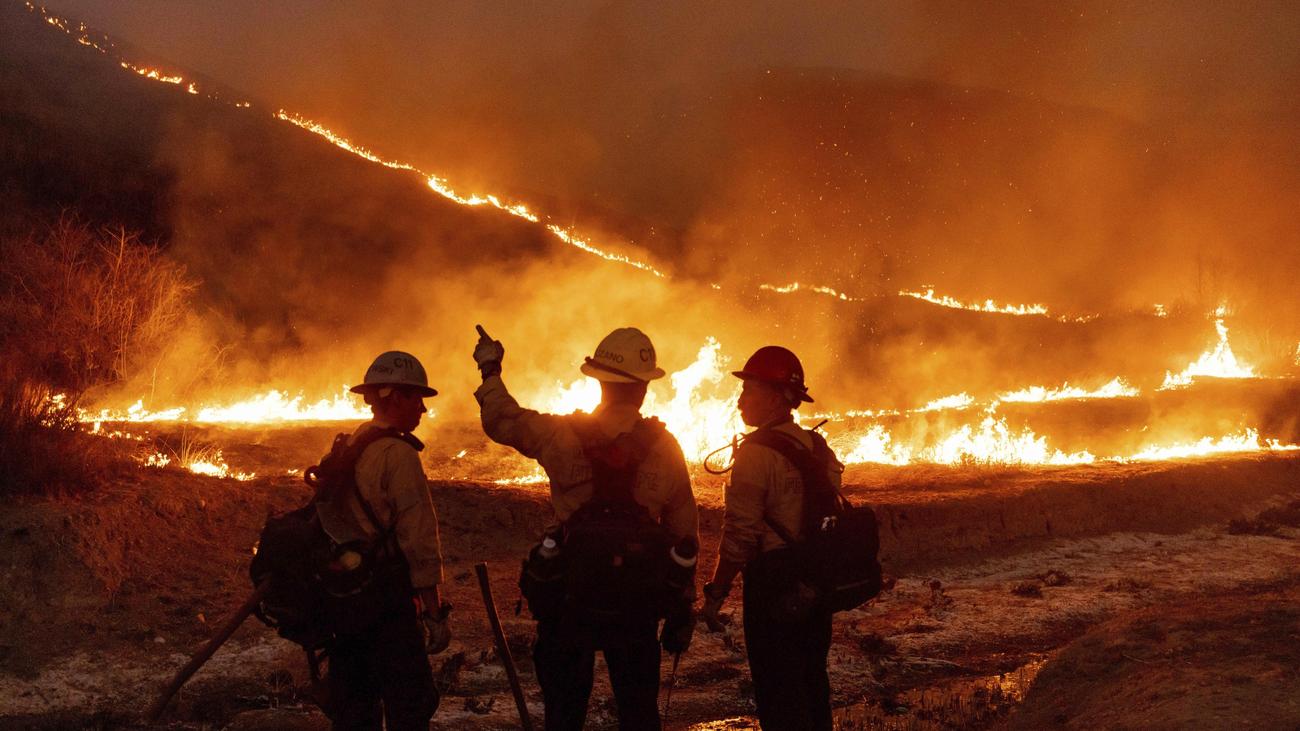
(1116, 388)
(698, 402)
(1220, 362)
(266, 408)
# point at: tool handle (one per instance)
(203, 655)
(503, 650)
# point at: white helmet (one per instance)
(624, 356)
(396, 368)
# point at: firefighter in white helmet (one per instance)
(379, 674)
(623, 554)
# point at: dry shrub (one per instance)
(78, 308)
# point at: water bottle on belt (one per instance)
(542, 578)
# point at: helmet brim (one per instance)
(609, 376)
(746, 376)
(424, 391)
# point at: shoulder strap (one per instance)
(617, 459)
(365, 440)
(343, 458)
(811, 465)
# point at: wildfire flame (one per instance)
(1220, 362)
(155, 74)
(798, 287)
(1247, 441)
(266, 408)
(211, 465)
(1116, 388)
(440, 186)
(928, 295)
(698, 402)
(698, 407)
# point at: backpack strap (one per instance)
(811, 464)
(343, 460)
(615, 461)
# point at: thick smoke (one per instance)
(1099, 159)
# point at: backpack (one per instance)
(834, 566)
(320, 589)
(615, 555)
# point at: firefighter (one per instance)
(575, 450)
(787, 657)
(379, 675)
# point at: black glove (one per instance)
(488, 354)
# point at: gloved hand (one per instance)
(679, 627)
(488, 353)
(437, 635)
(714, 598)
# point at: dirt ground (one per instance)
(104, 596)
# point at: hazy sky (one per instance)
(1130, 57)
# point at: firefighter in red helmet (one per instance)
(764, 499)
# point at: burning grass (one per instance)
(78, 308)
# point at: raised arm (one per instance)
(504, 420)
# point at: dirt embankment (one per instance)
(1209, 662)
(102, 597)
(932, 516)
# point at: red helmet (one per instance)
(778, 366)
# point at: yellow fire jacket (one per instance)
(391, 479)
(663, 485)
(763, 483)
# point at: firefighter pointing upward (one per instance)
(623, 555)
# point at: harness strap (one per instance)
(624, 453)
(350, 454)
(804, 460)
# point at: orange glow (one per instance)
(1116, 388)
(210, 464)
(1220, 362)
(266, 408)
(1246, 441)
(698, 402)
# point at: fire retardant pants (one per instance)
(787, 661)
(564, 657)
(381, 675)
